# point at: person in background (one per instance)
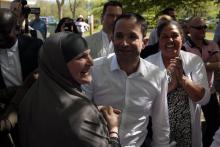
(153, 38)
(81, 25)
(22, 10)
(217, 34)
(187, 88)
(131, 84)
(54, 112)
(198, 45)
(66, 24)
(39, 24)
(216, 58)
(100, 43)
(170, 11)
(216, 139)
(18, 59)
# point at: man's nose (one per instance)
(90, 60)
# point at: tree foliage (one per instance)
(60, 4)
(144, 5)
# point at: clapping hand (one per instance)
(111, 115)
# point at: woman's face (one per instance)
(79, 67)
(170, 41)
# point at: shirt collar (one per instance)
(193, 45)
(114, 64)
(140, 71)
(12, 49)
(104, 34)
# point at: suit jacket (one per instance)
(95, 43)
(28, 48)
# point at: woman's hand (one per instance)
(176, 69)
(112, 117)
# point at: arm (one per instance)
(160, 118)
(214, 62)
(9, 118)
(195, 90)
(216, 139)
(112, 117)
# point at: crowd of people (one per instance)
(137, 92)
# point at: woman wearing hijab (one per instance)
(187, 85)
(54, 112)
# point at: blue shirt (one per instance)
(40, 25)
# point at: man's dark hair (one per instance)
(167, 10)
(139, 20)
(7, 20)
(111, 3)
(168, 23)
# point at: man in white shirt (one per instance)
(216, 139)
(100, 42)
(131, 84)
(18, 58)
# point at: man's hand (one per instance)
(8, 121)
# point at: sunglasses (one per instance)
(200, 27)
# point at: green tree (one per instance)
(60, 4)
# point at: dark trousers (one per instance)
(9, 139)
(212, 117)
(148, 139)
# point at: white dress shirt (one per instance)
(107, 46)
(138, 96)
(216, 138)
(11, 66)
(195, 70)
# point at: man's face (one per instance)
(111, 13)
(197, 28)
(172, 14)
(7, 38)
(128, 39)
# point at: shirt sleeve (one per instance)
(160, 119)
(199, 76)
(216, 141)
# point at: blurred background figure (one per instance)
(171, 12)
(206, 49)
(54, 112)
(100, 42)
(66, 24)
(81, 25)
(18, 59)
(153, 38)
(21, 9)
(39, 24)
(217, 34)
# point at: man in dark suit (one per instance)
(18, 59)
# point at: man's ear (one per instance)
(145, 42)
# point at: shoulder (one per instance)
(190, 58)
(27, 41)
(102, 63)
(153, 58)
(152, 69)
(94, 36)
